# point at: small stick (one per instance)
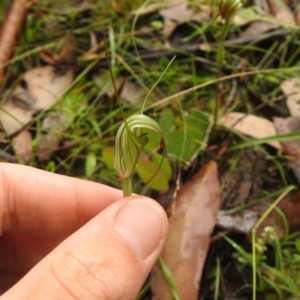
(15, 16)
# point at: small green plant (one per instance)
(279, 269)
(227, 10)
(275, 275)
(131, 139)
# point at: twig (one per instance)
(9, 30)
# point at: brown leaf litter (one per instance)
(186, 248)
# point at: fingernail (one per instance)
(141, 226)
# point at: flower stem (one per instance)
(220, 63)
(127, 187)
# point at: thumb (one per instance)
(108, 258)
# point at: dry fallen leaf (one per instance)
(13, 118)
(151, 8)
(38, 90)
(291, 88)
(282, 12)
(65, 57)
(270, 15)
(297, 15)
(245, 181)
(45, 85)
(55, 124)
(262, 4)
(257, 28)
(129, 93)
(169, 27)
(180, 13)
(251, 125)
(189, 238)
(22, 145)
(290, 206)
(290, 125)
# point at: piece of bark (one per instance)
(186, 248)
(245, 182)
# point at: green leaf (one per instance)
(197, 124)
(146, 169)
(51, 167)
(297, 244)
(108, 154)
(156, 158)
(180, 146)
(90, 164)
(95, 126)
(153, 141)
(166, 121)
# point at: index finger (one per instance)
(40, 203)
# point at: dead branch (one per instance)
(9, 30)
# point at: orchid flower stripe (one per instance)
(130, 141)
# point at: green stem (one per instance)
(220, 53)
(220, 63)
(127, 187)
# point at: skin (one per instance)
(63, 238)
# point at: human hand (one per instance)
(66, 238)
